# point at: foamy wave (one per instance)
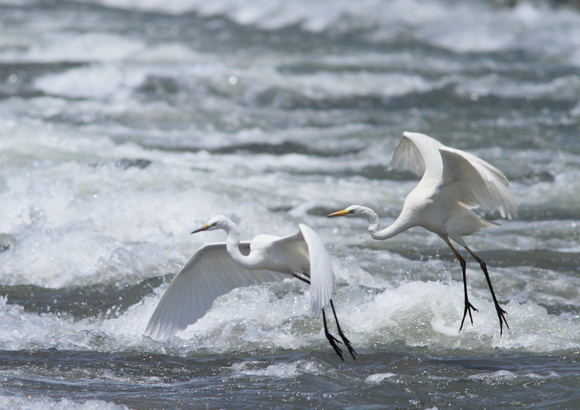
(417, 313)
(562, 88)
(377, 378)
(276, 316)
(558, 196)
(479, 27)
(85, 47)
(95, 81)
(280, 370)
(43, 403)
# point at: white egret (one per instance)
(215, 269)
(453, 183)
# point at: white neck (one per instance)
(374, 225)
(233, 246)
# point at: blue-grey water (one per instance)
(126, 124)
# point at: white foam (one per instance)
(76, 222)
(279, 370)
(378, 378)
(425, 314)
(429, 314)
(457, 26)
(500, 376)
(43, 403)
(328, 84)
(94, 81)
(85, 47)
(276, 316)
(565, 87)
(72, 216)
(76, 218)
(559, 195)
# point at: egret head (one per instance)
(217, 222)
(351, 210)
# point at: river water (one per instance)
(124, 125)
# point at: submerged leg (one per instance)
(331, 339)
(342, 336)
(500, 312)
(468, 306)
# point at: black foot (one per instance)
(334, 343)
(468, 308)
(342, 336)
(347, 344)
(502, 319)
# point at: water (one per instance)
(124, 125)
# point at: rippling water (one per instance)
(123, 125)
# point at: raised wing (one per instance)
(210, 272)
(475, 182)
(303, 252)
(321, 274)
(418, 153)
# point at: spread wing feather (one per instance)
(417, 153)
(469, 178)
(321, 273)
(210, 272)
(305, 253)
(479, 183)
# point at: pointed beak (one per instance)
(339, 213)
(203, 228)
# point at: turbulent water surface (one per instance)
(124, 125)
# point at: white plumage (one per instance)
(216, 269)
(453, 183)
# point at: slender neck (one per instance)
(373, 220)
(374, 225)
(233, 246)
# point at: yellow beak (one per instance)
(339, 213)
(203, 228)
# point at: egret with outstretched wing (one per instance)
(453, 183)
(216, 269)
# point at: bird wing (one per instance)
(208, 273)
(476, 183)
(321, 274)
(418, 153)
(305, 253)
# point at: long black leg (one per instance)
(305, 280)
(342, 336)
(331, 339)
(468, 306)
(500, 312)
